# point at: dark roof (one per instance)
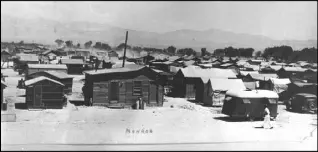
(72, 61)
(4, 52)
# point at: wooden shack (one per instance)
(74, 66)
(121, 87)
(33, 68)
(3, 86)
(20, 61)
(43, 92)
(62, 77)
(187, 79)
(216, 89)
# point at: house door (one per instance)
(153, 94)
(114, 91)
(37, 96)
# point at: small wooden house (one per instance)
(43, 92)
(217, 88)
(74, 66)
(62, 77)
(121, 87)
(3, 86)
(33, 68)
(262, 79)
(187, 79)
(287, 72)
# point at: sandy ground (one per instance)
(186, 126)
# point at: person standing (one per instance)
(267, 119)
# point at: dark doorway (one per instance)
(114, 91)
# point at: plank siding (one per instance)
(145, 90)
(100, 92)
(122, 92)
(129, 96)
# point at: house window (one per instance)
(137, 90)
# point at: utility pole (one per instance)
(124, 58)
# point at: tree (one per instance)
(78, 45)
(186, 51)
(122, 46)
(21, 42)
(88, 44)
(203, 52)
(98, 45)
(69, 43)
(59, 42)
(171, 49)
(258, 54)
(105, 46)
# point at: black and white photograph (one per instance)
(159, 75)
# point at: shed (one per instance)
(33, 68)
(261, 79)
(3, 86)
(186, 79)
(74, 66)
(120, 87)
(216, 89)
(62, 77)
(250, 104)
(287, 72)
(43, 92)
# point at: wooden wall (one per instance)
(102, 95)
(51, 95)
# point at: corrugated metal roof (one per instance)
(192, 72)
(47, 66)
(252, 94)
(227, 84)
(262, 77)
(115, 70)
(226, 64)
(38, 79)
(72, 61)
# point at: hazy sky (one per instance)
(277, 20)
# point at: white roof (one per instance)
(47, 66)
(192, 72)
(38, 79)
(252, 94)
(227, 84)
(245, 73)
(280, 81)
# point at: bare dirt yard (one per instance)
(178, 125)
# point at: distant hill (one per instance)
(47, 31)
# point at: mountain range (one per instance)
(46, 31)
